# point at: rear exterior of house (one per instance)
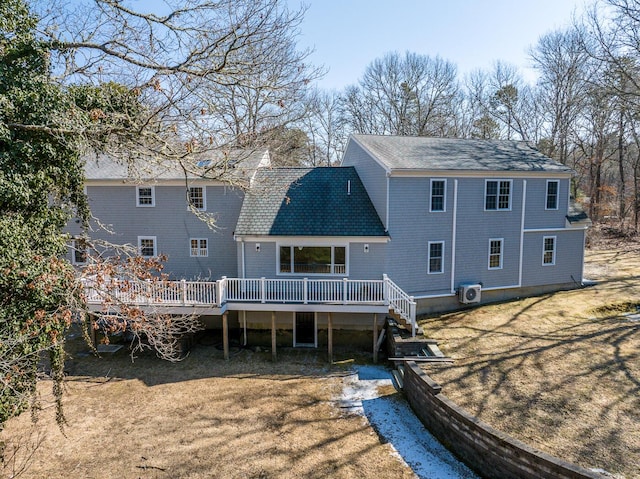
(405, 224)
(487, 220)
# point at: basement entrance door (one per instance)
(304, 330)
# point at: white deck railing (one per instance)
(260, 290)
(401, 303)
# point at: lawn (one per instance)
(559, 371)
(206, 418)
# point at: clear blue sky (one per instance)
(348, 34)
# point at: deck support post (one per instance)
(225, 335)
(92, 330)
(375, 337)
(330, 337)
(273, 336)
(244, 327)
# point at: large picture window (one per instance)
(497, 195)
(313, 259)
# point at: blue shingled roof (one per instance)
(308, 202)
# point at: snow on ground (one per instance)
(396, 424)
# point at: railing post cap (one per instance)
(384, 276)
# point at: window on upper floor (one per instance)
(436, 257)
(548, 250)
(495, 253)
(497, 195)
(197, 197)
(145, 196)
(313, 259)
(553, 186)
(199, 247)
(79, 251)
(438, 191)
(147, 246)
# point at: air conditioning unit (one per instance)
(469, 293)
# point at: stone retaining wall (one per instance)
(489, 452)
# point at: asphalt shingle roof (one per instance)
(237, 163)
(308, 202)
(451, 154)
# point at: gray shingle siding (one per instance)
(373, 176)
(172, 225)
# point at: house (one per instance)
(405, 224)
(471, 220)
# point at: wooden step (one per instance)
(432, 349)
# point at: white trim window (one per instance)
(438, 195)
(147, 246)
(497, 195)
(553, 191)
(495, 253)
(79, 252)
(199, 247)
(436, 257)
(198, 197)
(145, 196)
(548, 251)
(312, 260)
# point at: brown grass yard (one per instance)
(560, 371)
(207, 418)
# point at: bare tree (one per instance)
(325, 125)
(208, 76)
(404, 95)
(565, 71)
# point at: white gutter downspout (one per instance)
(453, 236)
(386, 220)
(524, 202)
(242, 259)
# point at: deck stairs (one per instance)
(404, 321)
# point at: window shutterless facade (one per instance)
(199, 247)
(436, 257)
(553, 186)
(147, 246)
(145, 196)
(438, 194)
(197, 197)
(312, 260)
(497, 195)
(495, 253)
(548, 250)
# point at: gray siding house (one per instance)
(406, 224)
(471, 220)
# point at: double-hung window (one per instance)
(79, 251)
(436, 257)
(438, 191)
(548, 250)
(197, 197)
(497, 195)
(147, 246)
(199, 247)
(553, 187)
(145, 196)
(313, 259)
(495, 253)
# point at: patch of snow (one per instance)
(396, 424)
